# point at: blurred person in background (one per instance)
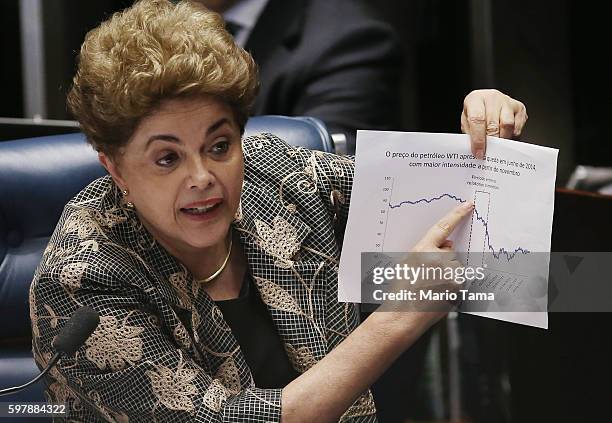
(334, 60)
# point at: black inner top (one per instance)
(252, 325)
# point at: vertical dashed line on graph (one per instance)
(485, 240)
(467, 261)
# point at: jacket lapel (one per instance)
(288, 282)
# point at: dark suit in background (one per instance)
(330, 59)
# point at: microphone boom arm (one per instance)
(51, 363)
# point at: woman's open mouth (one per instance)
(202, 211)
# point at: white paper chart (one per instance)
(405, 182)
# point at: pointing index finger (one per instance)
(438, 233)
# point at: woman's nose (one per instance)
(200, 176)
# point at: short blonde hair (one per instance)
(152, 51)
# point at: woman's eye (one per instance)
(221, 147)
(167, 160)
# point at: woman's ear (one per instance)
(112, 168)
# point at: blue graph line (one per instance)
(496, 253)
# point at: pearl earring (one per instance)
(129, 204)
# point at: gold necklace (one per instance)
(220, 269)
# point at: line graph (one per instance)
(479, 247)
(479, 215)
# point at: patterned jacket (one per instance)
(163, 351)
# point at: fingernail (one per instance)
(479, 153)
(468, 205)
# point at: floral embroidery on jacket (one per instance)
(181, 336)
(279, 240)
(72, 274)
(228, 375)
(276, 297)
(363, 406)
(215, 396)
(82, 223)
(179, 282)
(301, 358)
(114, 343)
(174, 388)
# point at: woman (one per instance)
(211, 261)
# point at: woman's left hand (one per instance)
(491, 112)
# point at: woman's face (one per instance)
(183, 169)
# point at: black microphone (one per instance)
(75, 332)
